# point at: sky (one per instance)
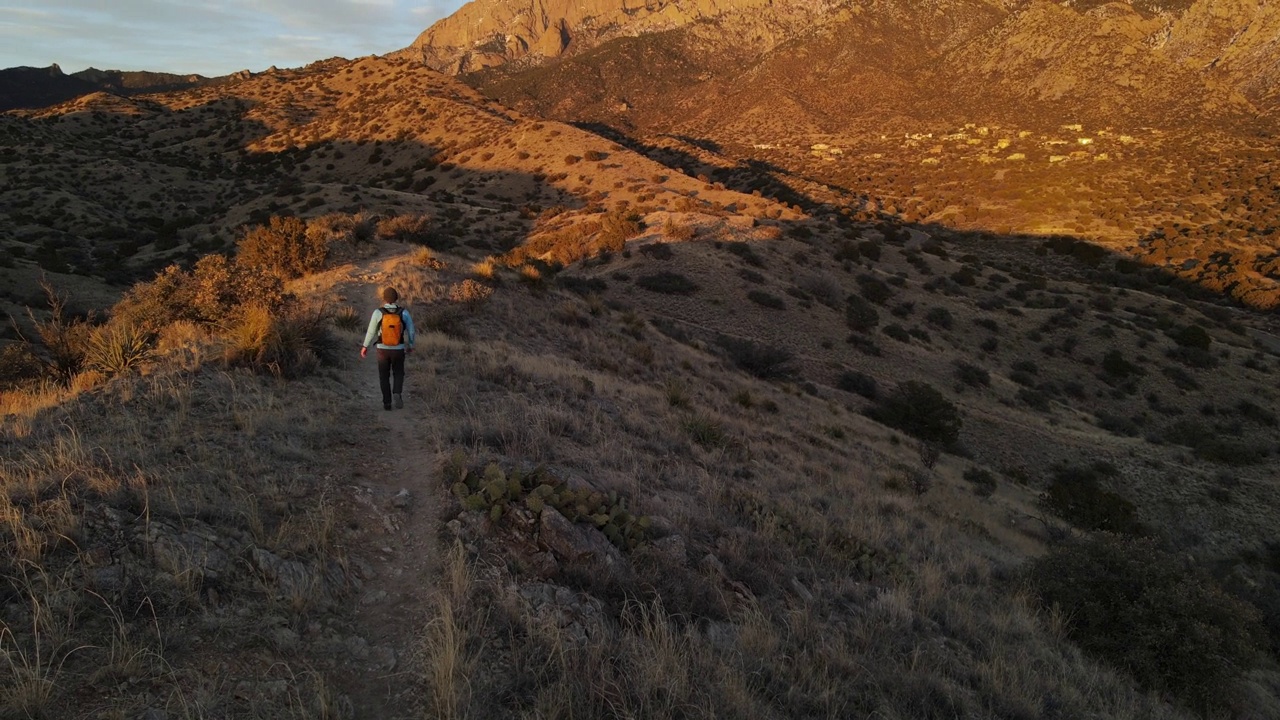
(208, 37)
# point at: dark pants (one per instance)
(390, 365)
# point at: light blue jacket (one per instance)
(374, 332)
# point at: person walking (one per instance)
(392, 329)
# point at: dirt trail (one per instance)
(397, 554)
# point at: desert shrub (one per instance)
(285, 342)
(62, 336)
(1211, 445)
(860, 315)
(983, 481)
(677, 231)
(919, 410)
(572, 159)
(874, 289)
(765, 299)
(1034, 398)
(580, 285)
(283, 248)
(1114, 365)
(1192, 336)
(469, 292)
(972, 375)
(768, 362)
(668, 283)
(859, 383)
(617, 227)
(1076, 494)
(1193, 357)
(595, 155)
(897, 332)
(870, 249)
(745, 252)
(939, 317)
(211, 293)
(18, 364)
(405, 228)
(1142, 610)
(657, 251)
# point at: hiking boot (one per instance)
(399, 401)
(386, 406)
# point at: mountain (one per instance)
(922, 102)
(26, 87)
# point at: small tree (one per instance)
(920, 410)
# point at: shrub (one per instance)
(668, 283)
(874, 289)
(405, 228)
(972, 375)
(1192, 336)
(616, 228)
(595, 155)
(921, 411)
(288, 344)
(860, 315)
(282, 247)
(678, 232)
(940, 318)
(1140, 609)
(765, 299)
(657, 251)
(1076, 495)
(744, 251)
(1114, 365)
(767, 362)
(18, 364)
(897, 332)
(984, 483)
(859, 383)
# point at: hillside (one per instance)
(671, 447)
(27, 87)
(1128, 126)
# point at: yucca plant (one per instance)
(116, 347)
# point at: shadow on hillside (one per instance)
(753, 176)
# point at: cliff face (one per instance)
(488, 33)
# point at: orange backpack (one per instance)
(392, 327)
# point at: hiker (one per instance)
(392, 327)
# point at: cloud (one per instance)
(206, 36)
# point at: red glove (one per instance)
(364, 351)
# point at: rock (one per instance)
(671, 549)
(375, 597)
(193, 548)
(292, 579)
(801, 590)
(383, 658)
(712, 563)
(401, 499)
(357, 647)
(574, 543)
(285, 639)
